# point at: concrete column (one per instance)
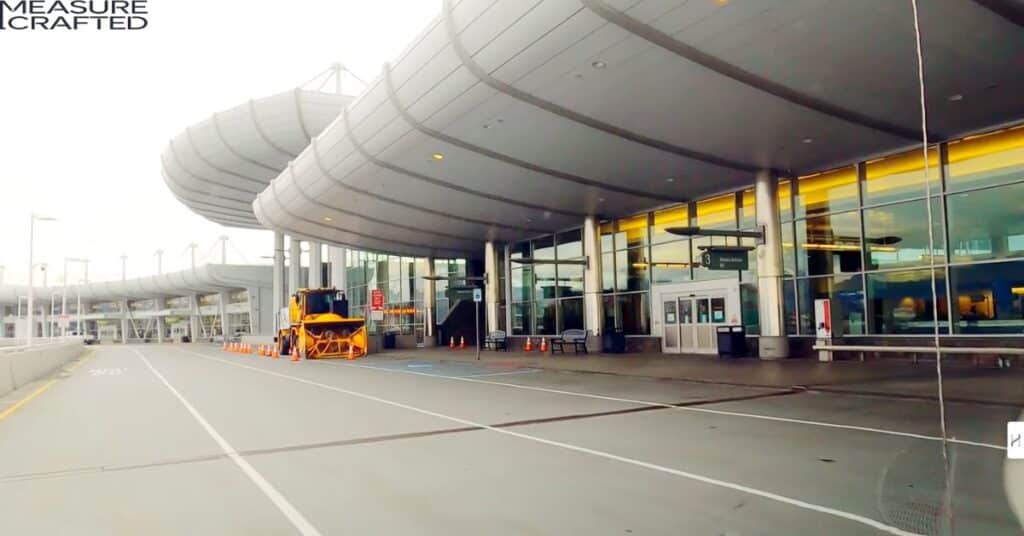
(339, 267)
(492, 292)
(773, 343)
(161, 304)
(429, 301)
(294, 265)
(125, 324)
(222, 300)
(193, 320)
(278, 291)
(592, 314)
(316, 265)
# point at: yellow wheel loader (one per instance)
(318, 326)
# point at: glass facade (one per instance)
(547, 296)
(401, 281)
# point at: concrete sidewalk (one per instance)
(963, 382)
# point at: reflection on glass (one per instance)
(671, 262)
(988, 298)
(703, 311)
(608, 272)
(986, 160)
(631, 269)
(608, 236)
(544, 248)
(545, 310)
(632, 232)
(570, 244)
(749, 305)
(901, 302)
(899, 177)
(633, 313)
(829, 244)
(718, 310)
(570, 280)
(748, 209)
(987, 224)
(669, 311)
(847, 303)
(570, 314)
(789, 305)
(785, 200)
(829, 191)
(521, 319)
(685, 311)
(788, 249)
(544, 278)
(522, 283)
(897, 235)
(608, 311)
(717, 212)
(671, 217)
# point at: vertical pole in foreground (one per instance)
(476, 325)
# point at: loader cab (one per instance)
(322, 301)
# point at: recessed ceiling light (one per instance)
(600, 200)
(955, 98)
(670, 179)
(437, 156)
(598, 64)
(328, 218)
(808, 140)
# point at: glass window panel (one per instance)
(988, 298)
(703, 313)
(897, 235)
(986, 160)
(788, 250)
(632, 232)
(519, 250)
(671, 217)
(748, 209)
(829, 244)
(522, 319)
(632, 269)
(987, 224)
(717, 212)
(608, 312)
(570, 280)
(544, 277)
(847, 303)
(789, 306)
(607, 236)
(546, 317)
(570, 244)
(786, 200)
(522, 283)
(827, 192)
(900, 176)
(671, 262)
(570, 314)
(633, 313)
(544, 248)
(608, 272)
(901, 302)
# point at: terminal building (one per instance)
(550, 147)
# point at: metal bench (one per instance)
(576, 337)
(495, 340)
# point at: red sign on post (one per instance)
(377, 304)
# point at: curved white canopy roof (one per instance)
(217, 166)
(206, 279)
(506, 119)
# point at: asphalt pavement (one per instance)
(187, 439)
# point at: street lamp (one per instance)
(31, 268)
(64, 296)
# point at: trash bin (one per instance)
(389, 340)
(613, 342)
(732, 341)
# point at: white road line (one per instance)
(601, 454)
(509, 373)
(297, 519)
(686, 408)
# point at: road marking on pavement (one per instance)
(42, 389)
(686, 408)
(878, 525)
(508, 373)
(297, 519)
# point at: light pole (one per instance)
(31, 268)
(124, 267)
(159, 261)
(192, 254)
(64, 295)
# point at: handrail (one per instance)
(921, 349)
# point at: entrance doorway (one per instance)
(689, 313)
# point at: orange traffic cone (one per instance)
(451, 343)
(260, 350)
(231, 347)
(543, 345)
(224, 347)
(528, 347)
(462, 343)
(351, 352)
(273, 352)
(295, 352)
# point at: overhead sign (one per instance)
(478, 295)
(716, 259)
(377, 304)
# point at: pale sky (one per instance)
(85, 115)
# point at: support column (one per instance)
(160, 306)
(194, 320)
(773, 343)
(316, 265)
(278, 291)
(124, 321)
(429, 302)
(338, 257)
(294, 265)
(593, 315)
(492, 292)
(225, 329)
